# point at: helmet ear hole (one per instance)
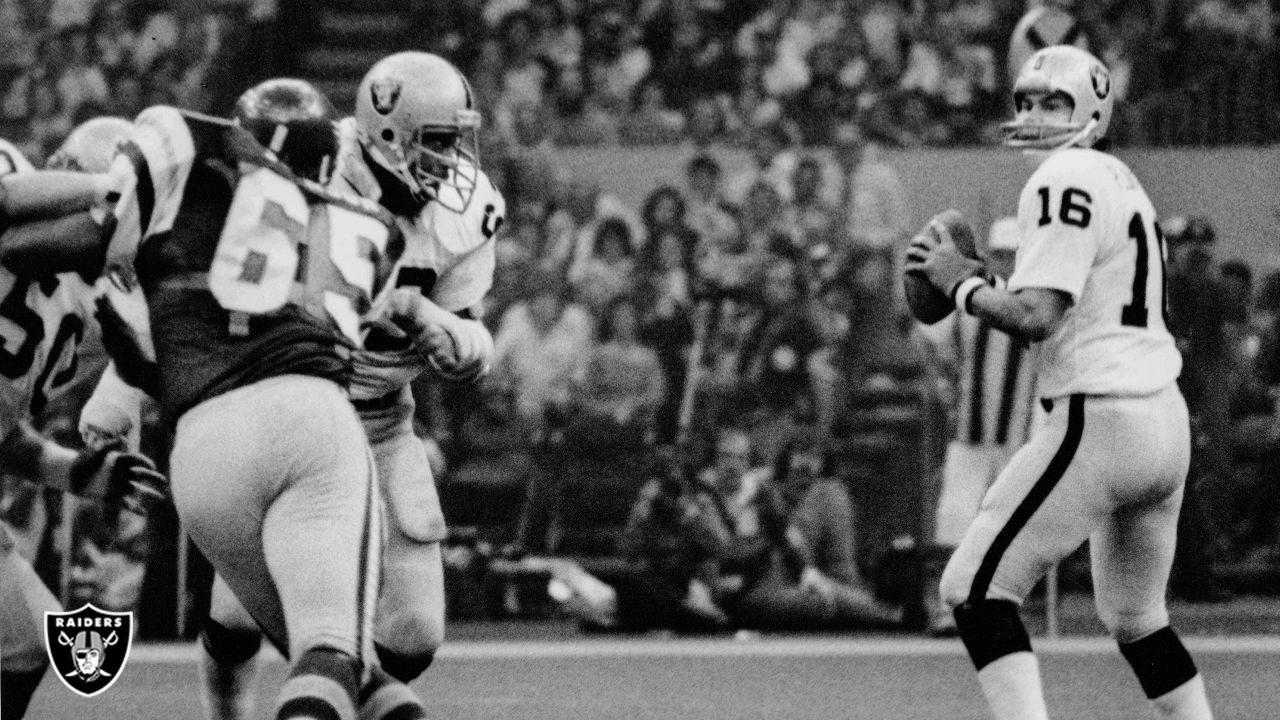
(388, 135)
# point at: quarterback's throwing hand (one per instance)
(943, 264)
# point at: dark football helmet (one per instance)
(294, 120)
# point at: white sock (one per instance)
(1012, 688)
(226, 691)
(1185, 702)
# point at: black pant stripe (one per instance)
(1032, 502)
(977, 389)
(366, 536)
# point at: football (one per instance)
(950, 226)
(927, 303)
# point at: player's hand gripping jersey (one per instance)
(249, 271)
(449, 257)
(41, 325)
(1088, 229)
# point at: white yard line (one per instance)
(178, 653)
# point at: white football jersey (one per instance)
(448, 256)
(42, 322)
(1088, 229)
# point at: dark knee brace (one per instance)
(990, 630)
(227, 646)
(404, 667)
(1160, 661)
(19, 686)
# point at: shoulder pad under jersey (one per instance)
(479, 222)
(351, 174)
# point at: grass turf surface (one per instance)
(790, 678)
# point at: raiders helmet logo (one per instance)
(1101, 81)
(385, 94)
(88, 647)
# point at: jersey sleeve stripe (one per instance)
(145, 191)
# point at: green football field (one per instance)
(779, 678)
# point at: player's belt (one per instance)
(382, 402)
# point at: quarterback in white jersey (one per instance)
(1109, 461)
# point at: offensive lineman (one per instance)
(412, 148)
(1109, 462)
(51, 311)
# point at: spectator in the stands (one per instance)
(539, 348)
(607, 273)
(875, 199)
(650, 121)
(782, 338)
(113, 38)
(814, 220)
(698, 65)
(737, 261)
(48, 123)
(772, 162)
(665, 296)
(81, 79)
(621, 387)
(709, 214)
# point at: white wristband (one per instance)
(965, 290)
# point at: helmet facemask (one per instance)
(1041, 135)
(440, 163)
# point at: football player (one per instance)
(411, 147)
(252, 338)
(1109, 461)
(50, 312)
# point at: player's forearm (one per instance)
(50, 193)
(1028, 315)
(458, 347)
(71, 243)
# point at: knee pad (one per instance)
(404, 666)
(227, 646)
(1160, 661)
(991, 629)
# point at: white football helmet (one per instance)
(1080, 76)
(91, 145)
(416, 116)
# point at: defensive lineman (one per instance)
(1109, 462)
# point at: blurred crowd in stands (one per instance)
(591, 72)
(779, 478)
